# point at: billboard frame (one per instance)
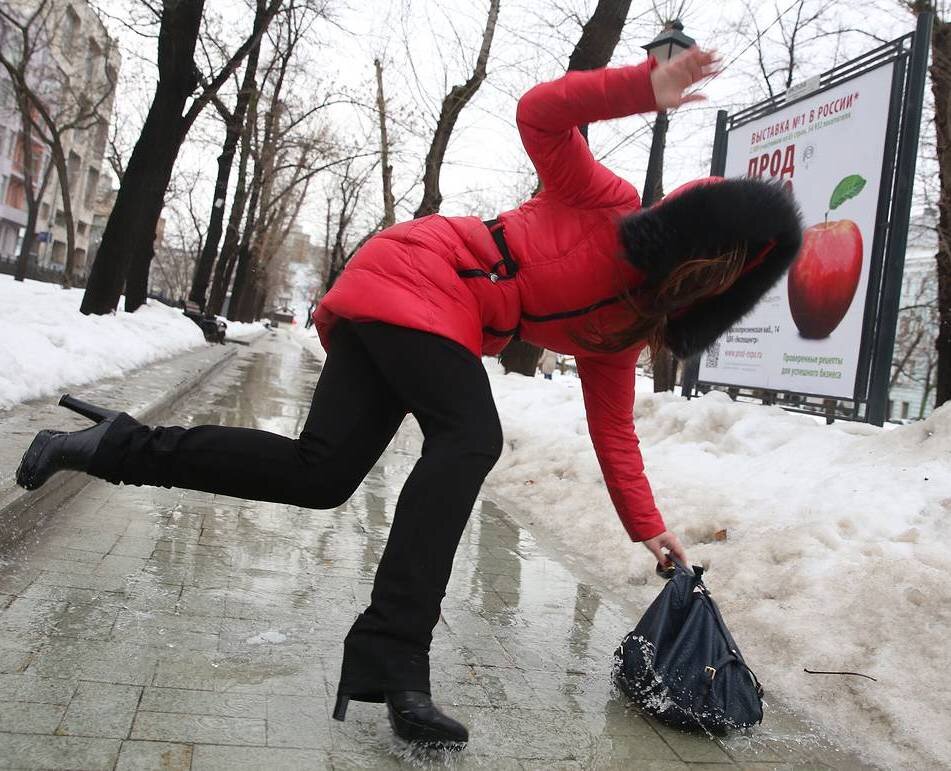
(908, 55)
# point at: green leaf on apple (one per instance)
(848, 188)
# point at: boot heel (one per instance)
(340, 709)
(91, 411)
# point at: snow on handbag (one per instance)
(682, 665)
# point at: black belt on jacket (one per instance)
(498, 235)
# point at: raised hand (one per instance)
(672, 78)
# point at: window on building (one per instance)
(102, 136)
(92, 186)
(45, 213)
(58, 255)
(93, 59)
(891, 409)
(71, 24)
(6, 93)
(905, 407)
(16, 194)
(81, 229)
(60, 219)
(72, 169)
(79, 259)
(3, 186)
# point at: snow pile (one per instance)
(836, 555)
(46, 344)
(240, 330)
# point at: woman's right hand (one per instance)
(671, 78)
(669, 541)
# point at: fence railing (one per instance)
(50, 275)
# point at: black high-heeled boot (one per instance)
(95, 413)
(415, 718)
(52, 451)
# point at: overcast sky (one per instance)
(428, 45)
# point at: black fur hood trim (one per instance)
(705, 221)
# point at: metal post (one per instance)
(655, 162)
(901, 210)
(717, 165)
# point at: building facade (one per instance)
(74, 67)
(914, 361)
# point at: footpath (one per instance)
(154, 628)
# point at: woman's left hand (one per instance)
(671, 78)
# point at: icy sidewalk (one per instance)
(146, 628)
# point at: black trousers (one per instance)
(374, 374)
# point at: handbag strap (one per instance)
(734, 653)
(498, 235)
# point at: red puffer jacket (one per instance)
(442, 274)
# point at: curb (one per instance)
(21, 511)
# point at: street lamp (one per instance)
(669, 43)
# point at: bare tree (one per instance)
(389, 205)
(941, 90)
(57, 103)
(234, 121)
(350, 184)
(452, 105)
(126, 251)
(285, 161)
(915, 359)
(227, 260)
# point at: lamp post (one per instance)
(669, 43)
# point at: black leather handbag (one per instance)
(682, 665)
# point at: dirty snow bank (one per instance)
(836, 555)
(47, 345)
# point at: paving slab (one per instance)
(154, 628)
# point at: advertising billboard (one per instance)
(806, 335)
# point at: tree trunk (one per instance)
(233, 127)
(130, 231)
(241, 276)
(595, 47)
(224, 269)
(941, 88)
(521, 357)
(23, 259)
(389, 205)
(59, 162)
(599, 38)
(457, 98)
(665, 371)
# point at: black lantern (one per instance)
(670, 42)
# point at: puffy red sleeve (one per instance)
(548, 117)
(607, 383)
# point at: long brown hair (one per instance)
(650, 309)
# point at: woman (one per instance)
(577, 269)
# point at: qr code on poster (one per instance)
(713, 356)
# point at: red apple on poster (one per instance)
(826, 273)
(824, 277)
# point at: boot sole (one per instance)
(25, 478)
(424, 736)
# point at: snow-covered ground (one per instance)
(836, 555)
(47, 345)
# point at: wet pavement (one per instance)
(153, 628)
